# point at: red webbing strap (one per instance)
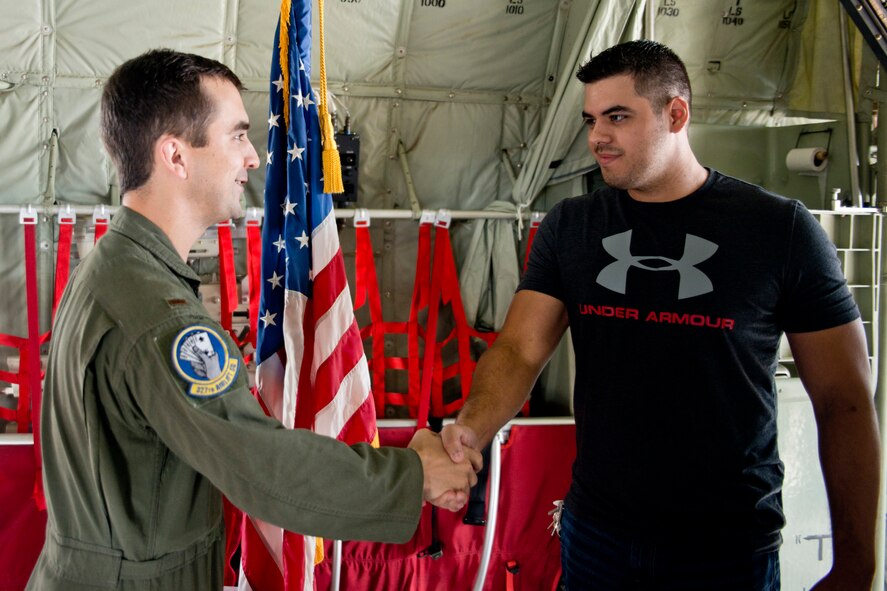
(367, 290)
(445, 290)
(29, 381)
(442, 374)
(399, 363)
(445, 266)
(431, 346)
(8, 340)
(100, 230)
(63, 260)
(31, 357)
(450, 294)
(511, 569)
(227, 277)
(396, 362)
(101, 218)
(421, 292)
(463, 332)
(254, 273)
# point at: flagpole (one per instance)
(492, 509)
(337, 565)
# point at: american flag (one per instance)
(312, 372)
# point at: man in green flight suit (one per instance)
(147, 417)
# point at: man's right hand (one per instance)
(457, 439)
(447, 483)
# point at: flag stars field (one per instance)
(302, 240)
(268, 318)
(274, 280)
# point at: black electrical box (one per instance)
(349, 156)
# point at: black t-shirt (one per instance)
(676, 311)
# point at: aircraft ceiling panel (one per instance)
(453, 154)
(93, 38)
(82, 176)
(361, 41)
(23, 156)
(21, 40)
(735, 49)
(250, 35)
(467, 44)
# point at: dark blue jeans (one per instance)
(596, 560)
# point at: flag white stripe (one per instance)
(353, 391)
(310, 551)
(324, 243)
(242, 583)
(294, 344)
(329, 330)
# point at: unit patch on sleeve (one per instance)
(201, 358)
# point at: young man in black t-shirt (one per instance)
(677, 283)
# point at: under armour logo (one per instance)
(693, 281)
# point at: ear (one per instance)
(170, 155)
(678, 111)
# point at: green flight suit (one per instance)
(138, 447)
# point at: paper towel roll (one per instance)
(806, 160)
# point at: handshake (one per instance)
(450, 464)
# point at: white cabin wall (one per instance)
(757, 155)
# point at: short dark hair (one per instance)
(153, 94)
(659, 74)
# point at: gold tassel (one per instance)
(318, 554)
(285, 9)
(332, 166)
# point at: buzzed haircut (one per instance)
(156, 93)
(659, 74)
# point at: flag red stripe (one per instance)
(362, 424)
(329, 282)
(304, 406)
(294, 561)
(258, 565)
(347, 353)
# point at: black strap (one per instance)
(475, 513)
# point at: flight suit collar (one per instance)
(149, 236)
